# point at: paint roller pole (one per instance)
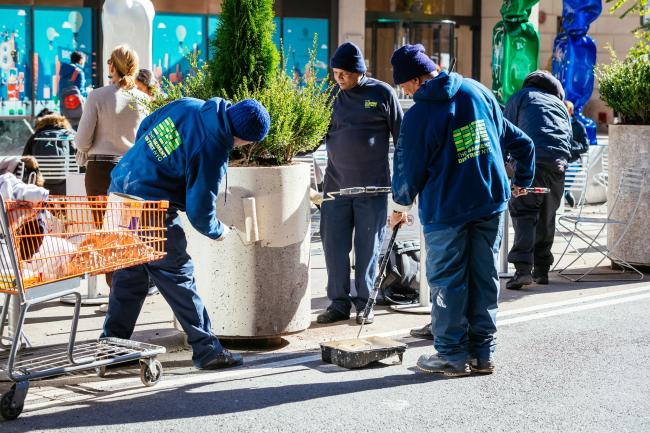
(505, 246)
(424, 305)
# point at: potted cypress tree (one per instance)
(256, 282)
(624, 85)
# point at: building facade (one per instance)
(36, 36)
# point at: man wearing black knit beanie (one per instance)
(366, 114)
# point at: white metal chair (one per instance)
(576, 180)
(602, 177)
(631, 186)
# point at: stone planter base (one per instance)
(255, 283)
(629, 146)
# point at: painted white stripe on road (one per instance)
(579, 300)
(568, 310)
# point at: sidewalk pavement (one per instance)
(49, 323)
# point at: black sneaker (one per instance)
(521, 279)
(540, 276)
(437, 364)
(225, 359)
(331, 315)
(481, 366)
(369, 319)
(424, 332)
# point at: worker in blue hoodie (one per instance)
(366, 113)
(450, 155)
(539, 111)
(181, 155)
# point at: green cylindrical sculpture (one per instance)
(515, 48)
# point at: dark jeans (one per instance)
(174, 277)
(533, 218)
(366, 216)
(97, 180)
(462, 274)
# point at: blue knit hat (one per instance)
(410, 61)
(349, 58)
(249, 120)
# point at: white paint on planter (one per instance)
(256, 289)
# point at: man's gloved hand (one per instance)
(226, 231)
(315, 197)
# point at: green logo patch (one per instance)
(370, 104)
(471, 141)
(163, 139)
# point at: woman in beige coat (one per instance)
(111, 118)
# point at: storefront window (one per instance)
(298, 36)
(57, 34)
(174, 37)
(213, 24)
(15, 85)
(427, 7)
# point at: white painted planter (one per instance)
(629, 146)
(256, 282)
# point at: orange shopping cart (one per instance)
(45, 251)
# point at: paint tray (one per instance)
(359, 352)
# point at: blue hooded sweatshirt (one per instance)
(451, 152)
(180, 154)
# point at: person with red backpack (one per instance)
(72, 88)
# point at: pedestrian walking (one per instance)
(181, 155)
(450, 155)
(366, 113)
(539, 111)
(72, 88)
(108, 126)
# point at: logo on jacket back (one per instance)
(369, 103)
(471, 141)
(163, 139)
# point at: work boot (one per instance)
(482, 366)
(424, 332)
(521, 278)
(369, 319)
(439, 365)
(225, 359)
(540, 274)
(331, 315)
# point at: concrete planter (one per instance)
(629, 146)
(256, 282)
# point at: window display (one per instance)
(57, 34)
(174, 37)
(298, 37)
(15, 85)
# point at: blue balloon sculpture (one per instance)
(574, 56)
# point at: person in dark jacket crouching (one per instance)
(450, 154)
(539, 111)
(366, 113)
(181, 155)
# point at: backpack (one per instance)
(402, 282)
(71, 101)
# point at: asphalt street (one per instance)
(577, 366)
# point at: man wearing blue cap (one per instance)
(366, 113)
(450, 153)
(181, 155)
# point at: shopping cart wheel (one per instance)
(101, 371)
(151, 371)
(9, 410)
